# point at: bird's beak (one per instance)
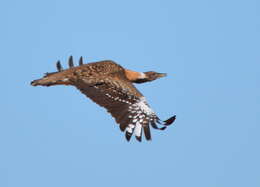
(162, 74)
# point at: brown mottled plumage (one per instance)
(110, 86)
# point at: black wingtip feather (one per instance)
(139, 138)
(128, 136)
(81, 61)
(59, 67)
(170, 120)
(71, 62)
(147, 132)
(153, 124)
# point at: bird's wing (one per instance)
(126, 104)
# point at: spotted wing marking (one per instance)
(141, 116)
(130, 111)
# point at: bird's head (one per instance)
(149, 76)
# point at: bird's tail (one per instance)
(61, 77)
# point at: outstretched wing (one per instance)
(126, 104)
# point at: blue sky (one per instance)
(57, 137)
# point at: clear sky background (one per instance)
(55, 136)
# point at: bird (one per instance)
(111, 86)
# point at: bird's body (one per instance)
(111, 86)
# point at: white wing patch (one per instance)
(130, 128)
(138, 129)
(142, 104)
(140, 116)
(140, 110)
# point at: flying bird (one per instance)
(111, 86)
